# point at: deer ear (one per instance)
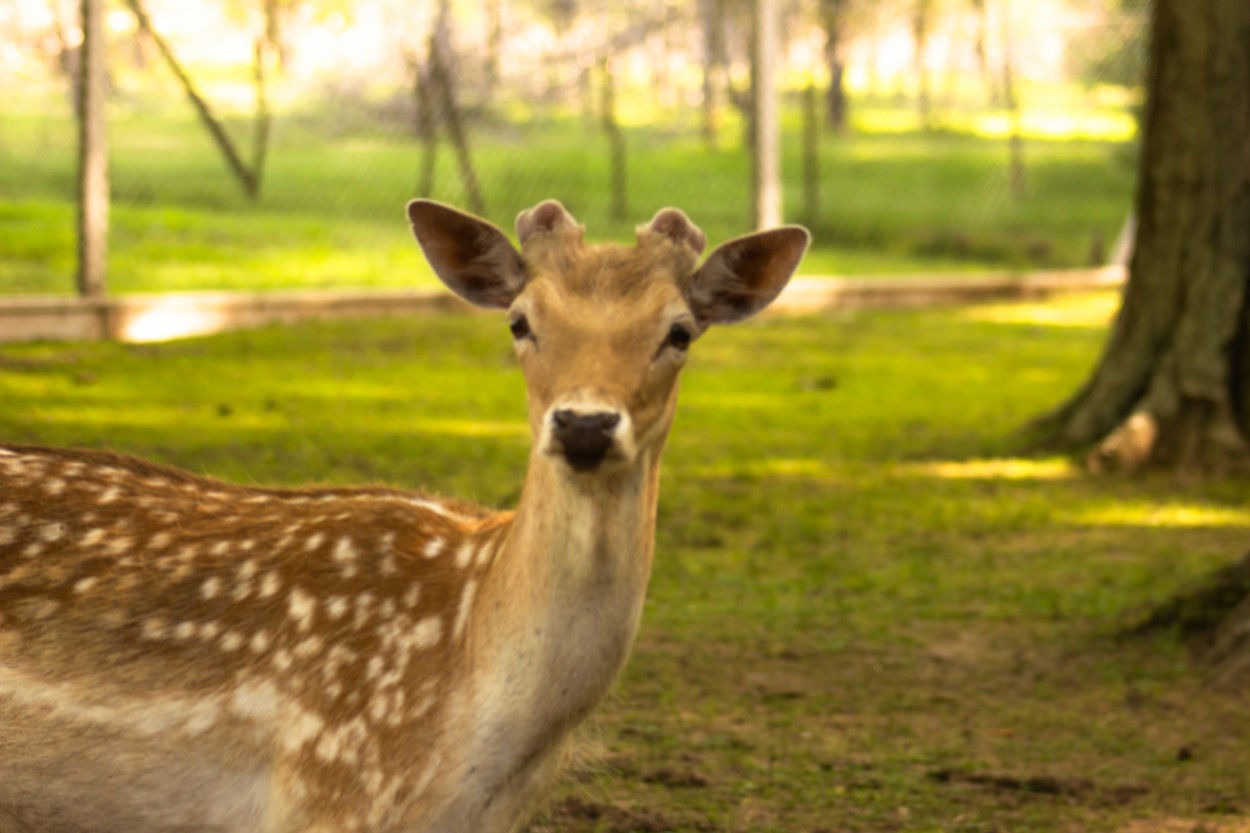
(743, 276)
(473, 257)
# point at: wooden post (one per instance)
(93, 179)
(766, 160)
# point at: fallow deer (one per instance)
(180, 654)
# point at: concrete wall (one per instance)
(138, 318)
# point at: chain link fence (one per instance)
(273, 143)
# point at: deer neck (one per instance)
(564, 597)
(577, 560)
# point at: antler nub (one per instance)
(547, 216)
(676, 226)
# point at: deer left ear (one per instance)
(473, 257)
(745, 275)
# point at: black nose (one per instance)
(584, 438)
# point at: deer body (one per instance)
(180, 654)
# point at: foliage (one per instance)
(332, 211)
(869, 611)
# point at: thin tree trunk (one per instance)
(1011, 99)
(93, 177)
(444, 88)
(616, 143)
(248, 178)
(714, 81)
(766, 152)
(426, 127)
(832, 15)
(1173, 385)
(921, 22)
(811, 155)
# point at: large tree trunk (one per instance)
(1173, 386)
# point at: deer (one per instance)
(182, 654)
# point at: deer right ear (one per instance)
(473, 257)
(744, 275)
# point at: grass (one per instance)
(871, 609)
(331, 214)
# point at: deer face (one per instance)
(602, 331)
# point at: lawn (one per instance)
(332, 209)
(872, 608)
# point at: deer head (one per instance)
(602, 331)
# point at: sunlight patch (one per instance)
(1094, 310)
(1006, 468)
(1174, 515)
(798, 468)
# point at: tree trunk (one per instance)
(832, 15)
(616, 142)
(921, 23)
(93, 171)
(248, 177)
(1173, 386)
(766, 149)
(711, 14)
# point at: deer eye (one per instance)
(679, 338)
(520, 327)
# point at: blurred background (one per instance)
(273, 143)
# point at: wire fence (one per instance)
(273, 143)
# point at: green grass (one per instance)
(332, 209)
(871, 609)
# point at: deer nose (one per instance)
(584, 438)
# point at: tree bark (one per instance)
(1173, 386)
(93, 171)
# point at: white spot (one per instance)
(209, 630)
(302, 606)
(428, 632)
(54, 486)
(336, 606)
(32, 550)
(260, 642)
(220, 548)
(7, 535)
(344, 550)
(231, 641)
(433, 548)
(314, 541)
(486, 553)
(256, 700)
(309, 647)
(118, 545)
(159, 541)
(464, 555)
(155, 629)
(184, 631)
(211, 588)
(466, 603)
(270, 585)
(93, 537)
(301, 729)
(111, 494)
(282, 659)
(85, 584)
(412, 595)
